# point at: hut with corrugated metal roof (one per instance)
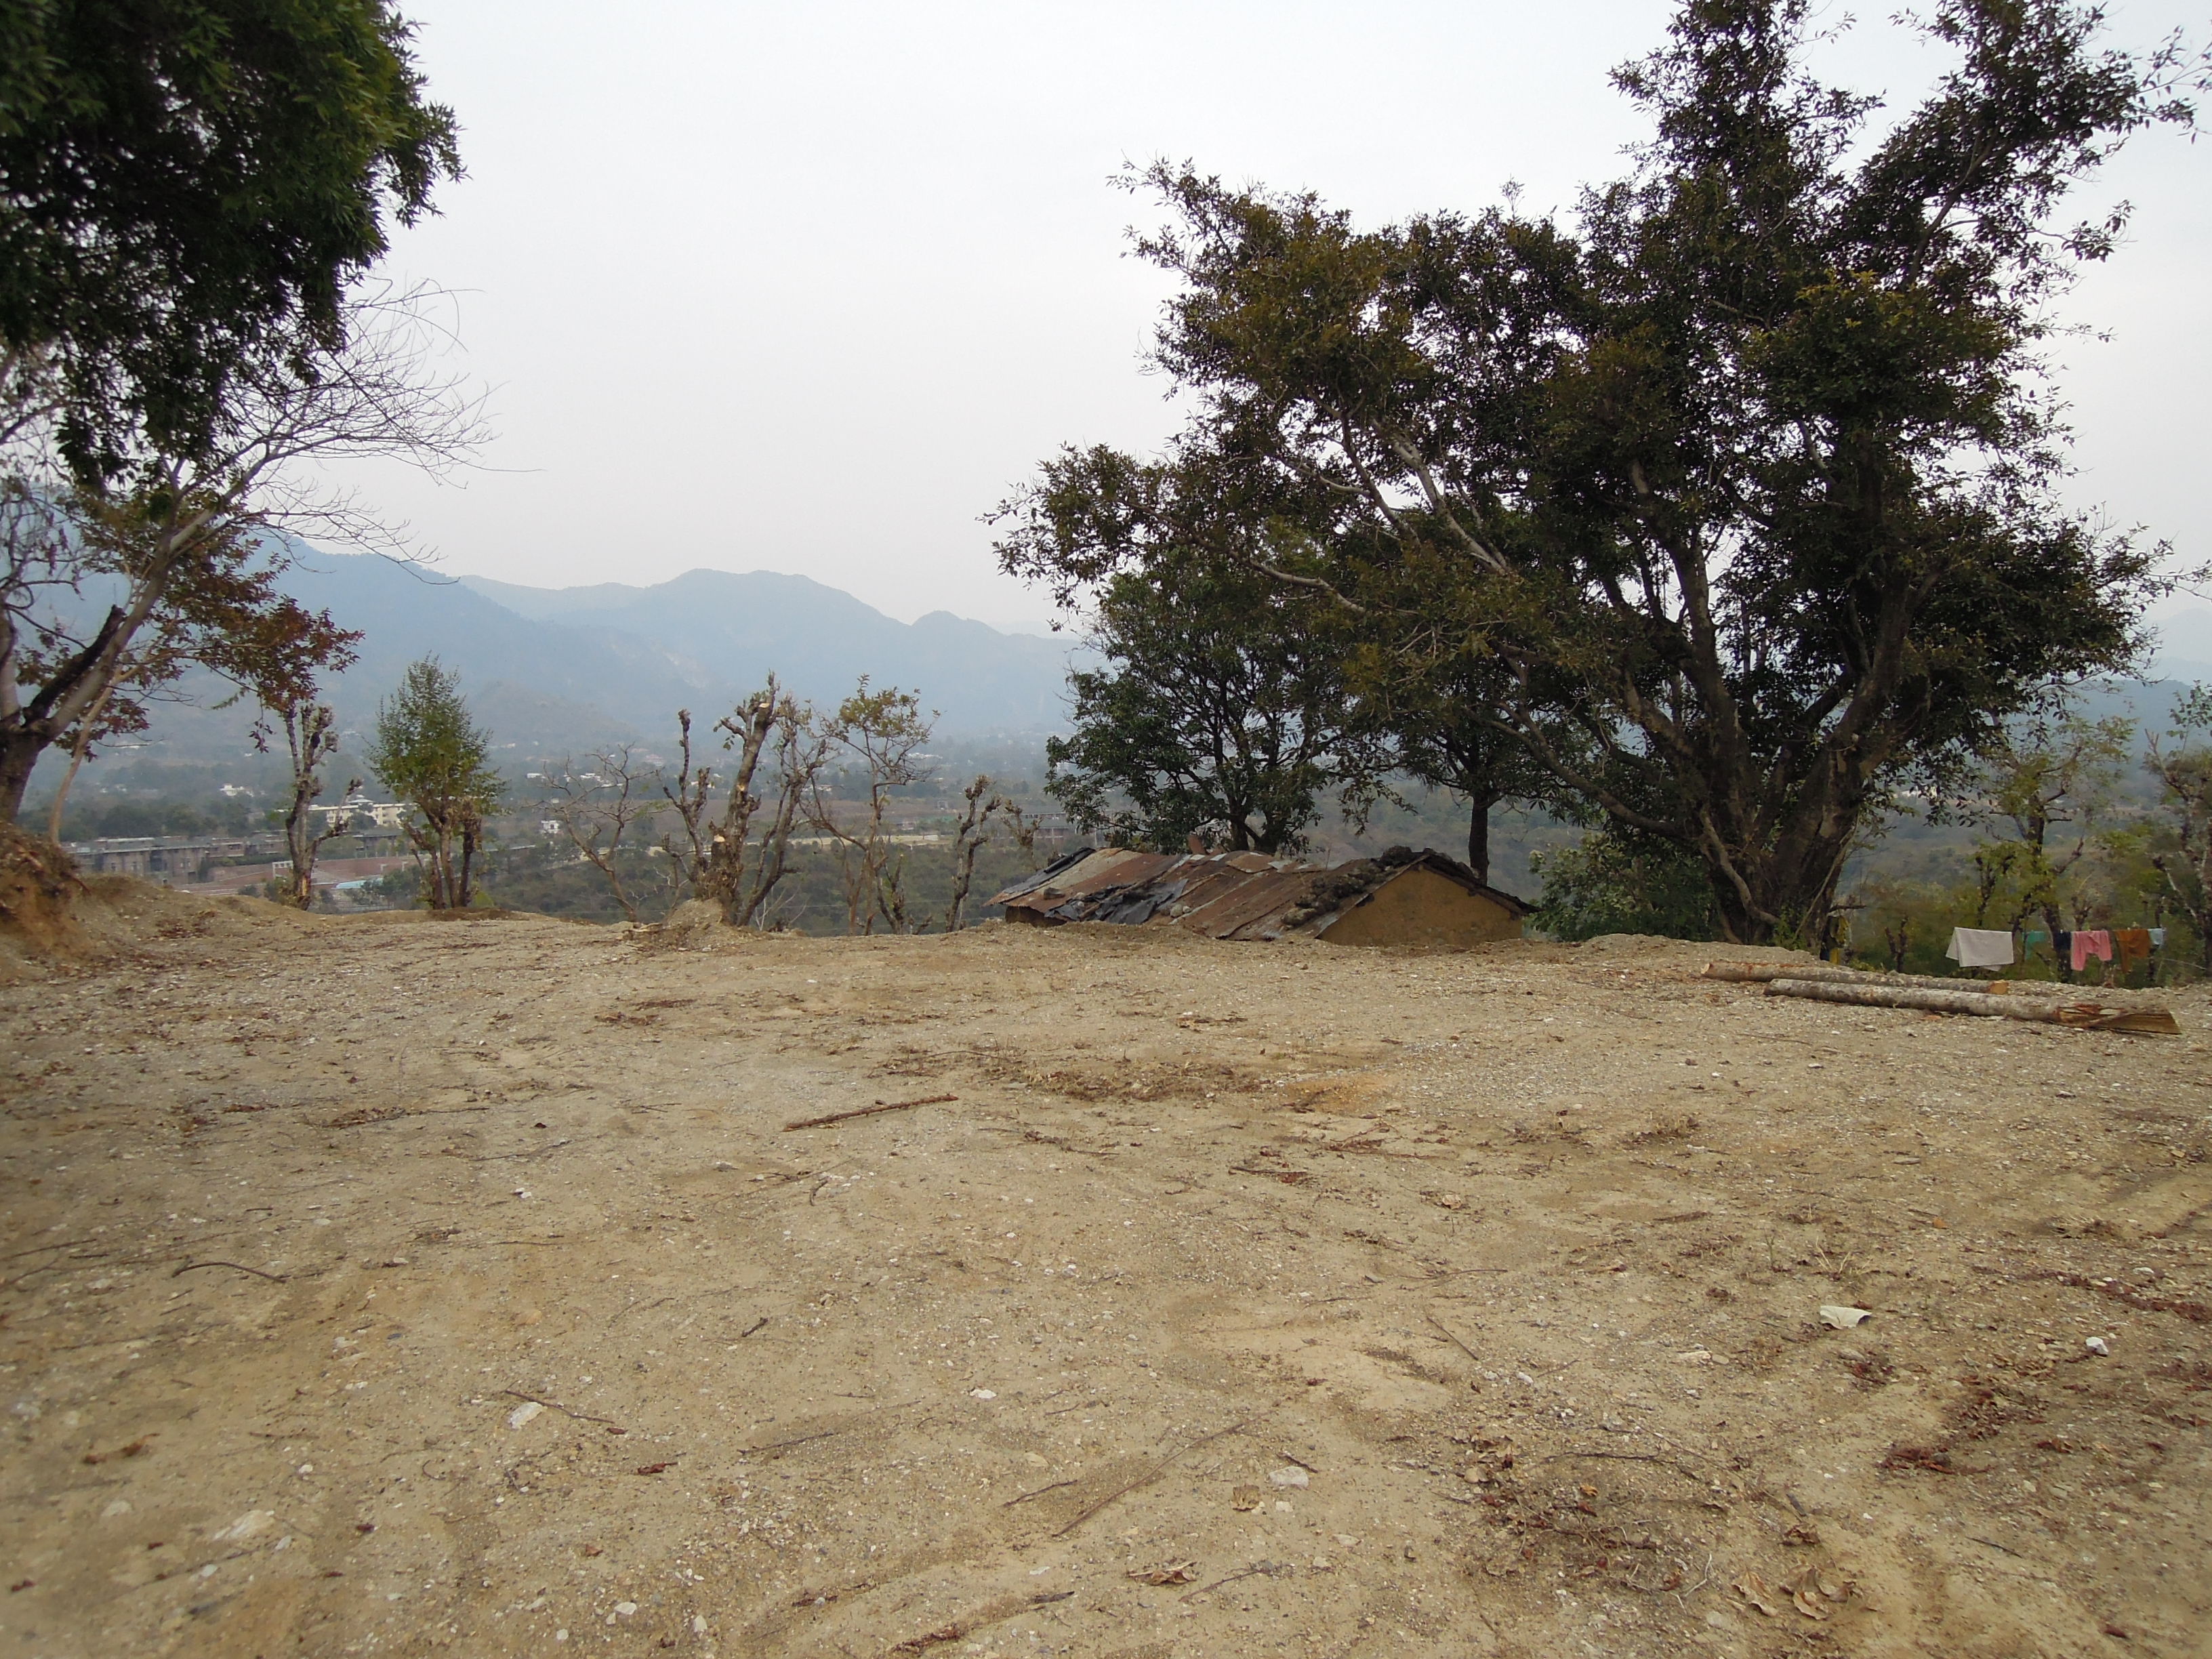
(1402, 897)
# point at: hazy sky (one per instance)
(811, 287)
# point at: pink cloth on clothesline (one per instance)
(2096, 943)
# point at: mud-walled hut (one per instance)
(1402, 897)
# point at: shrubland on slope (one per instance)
(390, 1286)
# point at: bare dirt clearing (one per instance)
(390, 1286)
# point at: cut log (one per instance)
(2137, 1022)
(2087, 1015)
(1759, 973)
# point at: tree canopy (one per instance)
(190, 193)
(1219, 714)
(186, 185)
(1740, 481)
(431, 755)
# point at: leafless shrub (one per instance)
(599, 804)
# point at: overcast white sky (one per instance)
(809, 287)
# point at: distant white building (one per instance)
(385, 815)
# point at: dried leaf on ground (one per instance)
(1760, 1593)
(1176, 1572)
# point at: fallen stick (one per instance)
(1453, 1340)
(859, 1419)
(2082, 1016)
(992, 1612)
(868, 1111)
(822, 1598)
(1039, 1493)
(1270, 1568)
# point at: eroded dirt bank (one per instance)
(383, 1286)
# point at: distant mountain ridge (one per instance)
(556, 670)
(732, 629)
(579, 664)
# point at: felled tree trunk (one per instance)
(2156, 1022)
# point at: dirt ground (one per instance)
(387, 1285)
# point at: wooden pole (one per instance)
(1759, 973)
(2087, 1016)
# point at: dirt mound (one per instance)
(51, 917)
(39, 885)
(694, 925)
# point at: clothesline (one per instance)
(1994, 947)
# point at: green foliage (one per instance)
(1747, 479)
(98, 819)
(187, 187)
(1220, 713)
(1613, 883)
(1903, 926)
(2047, 787)
(2182, 854)
(1435, 719)
(433, 756)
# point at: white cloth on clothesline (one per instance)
(1980, 947)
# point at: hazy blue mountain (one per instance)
(552, 671)
(404, 612)
(735, 628)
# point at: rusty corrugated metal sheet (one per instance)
(1247, 908)
(1210, 893)
(1079, 888)
(1241, 896)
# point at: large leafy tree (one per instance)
(1219, 712)
(190, 191)
(1745, 476)
(187, 187)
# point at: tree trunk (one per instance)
(76, 761)
(1787, 894)
(463, 888)
(442, 870)
(19, 754)
(1478, 837)
(299, 836)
